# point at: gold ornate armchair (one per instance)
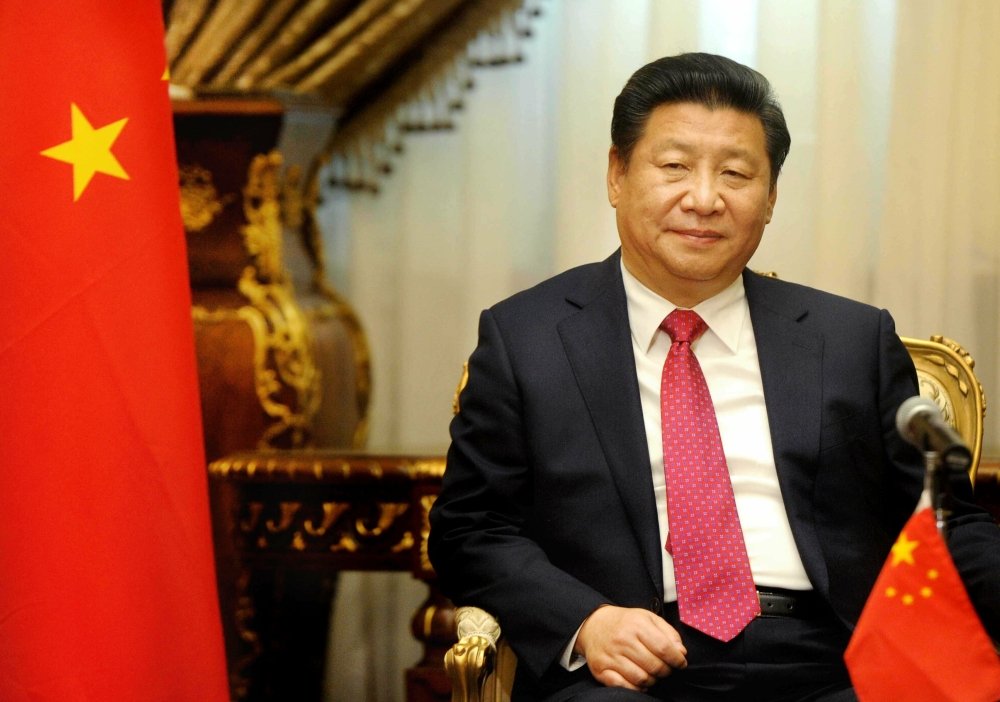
(945, 376)
(481, 665)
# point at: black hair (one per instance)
(706, 79)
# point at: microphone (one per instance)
(919, 421)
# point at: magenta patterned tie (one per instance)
(715, 588)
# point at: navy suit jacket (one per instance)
(547, 509)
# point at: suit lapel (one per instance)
(598, 345)
(791, 367)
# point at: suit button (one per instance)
(656, 606)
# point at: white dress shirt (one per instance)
(727, 353)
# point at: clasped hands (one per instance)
(629, 647)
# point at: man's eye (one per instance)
(673, 166)
(734, 174)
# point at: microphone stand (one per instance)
(935, 486)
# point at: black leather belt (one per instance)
(789, 603)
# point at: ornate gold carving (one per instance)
(473, 621)
(262, 233)
(956, 347)
(200, 201)
(945, 375)
(288, 511)
(387, 515)
(480, 666)
(427, 469)
(933, 390)
(299, 213)
(953, 370)
(376, 527)
(427, 626)
(405, 543)
(310, 466)
(283, 358)
(468, 663)
(331, 512)
(426, 502)
(286, 377)
(346, 543)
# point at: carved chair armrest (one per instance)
(472, 660)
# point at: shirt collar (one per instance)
(725, 313)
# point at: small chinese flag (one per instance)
(918, 638)
(107, 584)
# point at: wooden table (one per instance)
(286, 522)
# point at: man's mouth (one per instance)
(701, 235)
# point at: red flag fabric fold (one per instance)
(919, 638)
(108, 587)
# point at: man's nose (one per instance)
(703, 195)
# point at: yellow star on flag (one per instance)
(902, 550)
(89, 151)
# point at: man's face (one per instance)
(693, 200)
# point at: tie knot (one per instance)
(684, 326)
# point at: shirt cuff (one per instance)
(570, 659)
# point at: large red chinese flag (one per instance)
(919, 639)
(107, 588)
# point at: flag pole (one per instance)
(935, 487)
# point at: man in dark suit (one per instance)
(556, 511)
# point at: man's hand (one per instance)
(629, 648)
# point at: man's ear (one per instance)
(771, 199)
(616, 169)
